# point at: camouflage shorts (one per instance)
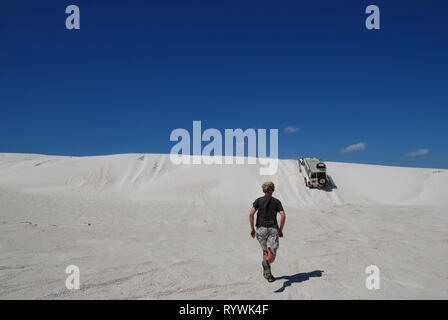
(268, 238)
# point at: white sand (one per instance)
(139, 227)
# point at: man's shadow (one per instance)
(297, 278)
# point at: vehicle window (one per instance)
(313, 176)
(320, 175)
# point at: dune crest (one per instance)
(153, 176)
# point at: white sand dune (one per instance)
(140, 227)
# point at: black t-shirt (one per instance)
(267, 207)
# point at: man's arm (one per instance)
(282, 222)
(251, 221)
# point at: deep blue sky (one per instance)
(136, 70)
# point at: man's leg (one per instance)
(271, 245)
(266, 268)
(265, 254)
(270, 256)
(262, 236)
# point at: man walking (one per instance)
(267, 231)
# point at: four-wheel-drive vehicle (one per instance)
(314, 172)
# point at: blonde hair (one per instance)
(268, 187)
